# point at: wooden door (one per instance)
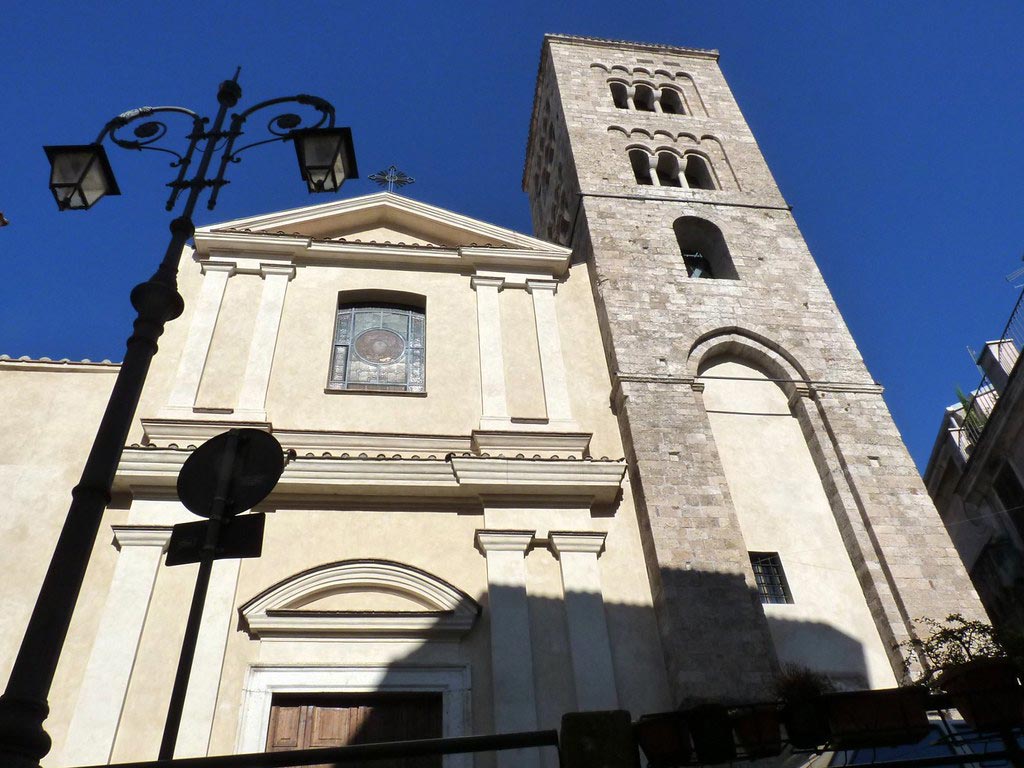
(335, 720)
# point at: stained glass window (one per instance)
(379, 347)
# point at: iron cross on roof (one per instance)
(392, 178)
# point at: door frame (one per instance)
(263, 681)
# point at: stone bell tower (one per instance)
(783, 520)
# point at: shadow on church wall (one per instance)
(640, 674)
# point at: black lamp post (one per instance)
(81, 175)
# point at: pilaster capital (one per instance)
(542, 286)
(591, 542)
(477, 281)
(141, 536)
(283, 270)
(488, 541)
(206, 266)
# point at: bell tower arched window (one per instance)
(668, 170)
(703, 249)
(620, 95)
(672, 102)
(697, 173)
(643, 98)
(641, 162)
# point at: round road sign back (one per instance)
(256, 466)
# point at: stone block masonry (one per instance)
(659, 325)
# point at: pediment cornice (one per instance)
(444, 240)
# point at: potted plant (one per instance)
(757, 728)
(664, 739)
(711, 732)
(966, 659)
(877, 718)
(801, 691)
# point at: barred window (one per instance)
(770, 578)
(378, 347)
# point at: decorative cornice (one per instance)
(468, 244)
(505, 443)
(845, 386)
(577, 541)
(305, 250)
(545, 445)
(141, 536)
(601, 42)
(600, 480)
(191, 431)
(151, 469)
(807, 388)
(504, 541)
(64, 364)
(444, 611)
(373, 444)
(389, 206)
(652, 378)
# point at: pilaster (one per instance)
(515, 700)
(97, 714)
(494, 399)
(207, 666)
(592, 664)
(199, 338)
(552, 362)
(253, 398)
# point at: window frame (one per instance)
(770, 578)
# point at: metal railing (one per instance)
(997, 362)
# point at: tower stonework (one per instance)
(640, 159)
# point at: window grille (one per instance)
(770, 578)
(378, 348)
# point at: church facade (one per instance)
(633, 461)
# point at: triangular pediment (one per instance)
(383, 218)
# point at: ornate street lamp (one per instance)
(325, 157)
(80, 176)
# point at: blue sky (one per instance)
(894, 130)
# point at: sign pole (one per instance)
(195, 613)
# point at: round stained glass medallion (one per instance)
(379, 345)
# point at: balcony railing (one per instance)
(997, 362)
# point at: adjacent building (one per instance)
(974, 477)
(632, 461)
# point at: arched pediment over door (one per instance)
(361, 599)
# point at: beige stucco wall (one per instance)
(297, 399)
(51, 412)
(311, 532)
(782, 507)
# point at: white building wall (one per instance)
(782, 507)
